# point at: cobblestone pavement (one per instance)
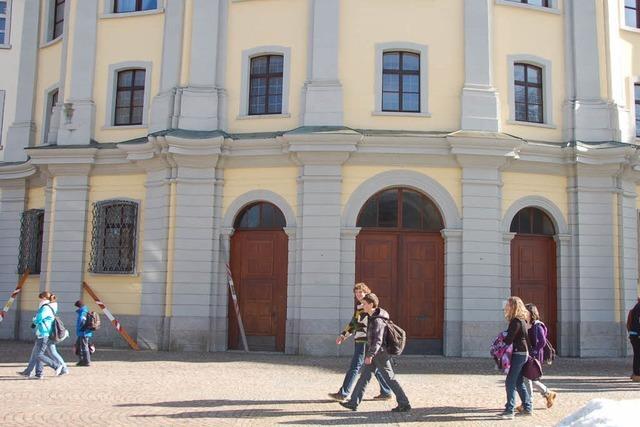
(161, 388)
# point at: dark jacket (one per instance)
(633, 320)
(375, 331)
(538, 338)
(516, 335)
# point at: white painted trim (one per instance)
(46, 122)
(256, 196)
(132, 14)
(264, 116)
(542, 203)
(623, 21)
(402, 178)
(551, 9)
(247, 55)
(114, 69)
(107, 10)
(537, 125)
(547, 94)
(52, 42)
(631, 82)
(7, 28)
(3, 95)
(423, 51)
(399, 114)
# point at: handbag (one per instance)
(532, 368)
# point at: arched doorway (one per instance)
(533, 264)
(259, 268)
(400, 256)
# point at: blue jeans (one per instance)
(51, 351)
(41, 358)
(356, 363)
(381, 364)
(515, 382)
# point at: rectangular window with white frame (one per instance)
(128, 100)
(401, 79)
(530, 96)
(5, 21)
(128, 6)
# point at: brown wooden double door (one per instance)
(533, 276)
(259, 269)
(406, 271)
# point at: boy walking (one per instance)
(377, 358)
(83, 334)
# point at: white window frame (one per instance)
(553, 6)
(547, 93)
(632, 82)
(249, 54)
(46, 113)
(47, 35)
(420, 49)
(3, 95)
(108, 13)
(623, 21)
(6, 44)
(114, 69)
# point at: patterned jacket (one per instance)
(357, 326)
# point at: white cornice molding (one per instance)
(62, 156)
(589, 155)
(17, 171)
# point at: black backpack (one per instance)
(395, 338)
(92, 322)
(58, 331)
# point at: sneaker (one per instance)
(402, 408)
(519, 409)
(348, 406)
(551, 397)
(506, 415)
(37, 377)
(59, 370)
(64, 372)
(525, 413)
(26, 375)
(382, 396)
(82, 364)
(337, 396)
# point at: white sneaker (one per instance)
(59, 370)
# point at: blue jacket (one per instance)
(80, 321)
(44, 320)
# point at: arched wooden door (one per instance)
(400, 256)
(533, 264)
(259, 268)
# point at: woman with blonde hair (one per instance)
(518, 316)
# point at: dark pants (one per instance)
(356, 363)
(515, 382)
(41, 358)
(381, 362)
(635, 343)
(82, 344)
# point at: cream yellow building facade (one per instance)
(152, 111)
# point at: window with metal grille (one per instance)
(401, 82)
(528, 93)
(58, 19)
(265, 86)
(113, 242)
(123, 6)
(31, 232)
(129, 97)
(632, 13)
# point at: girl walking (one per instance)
(518, 317)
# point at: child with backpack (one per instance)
(633, 327)
(358, 328)
(538, 338)
(84, 332)
(377, 356)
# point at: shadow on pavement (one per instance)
(334, 417)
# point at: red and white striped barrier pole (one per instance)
(234, 297)
(14, 294)
(116, 324)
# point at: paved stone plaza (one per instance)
(161, 388)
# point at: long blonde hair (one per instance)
(515, 308)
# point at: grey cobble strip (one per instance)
(124, 388)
